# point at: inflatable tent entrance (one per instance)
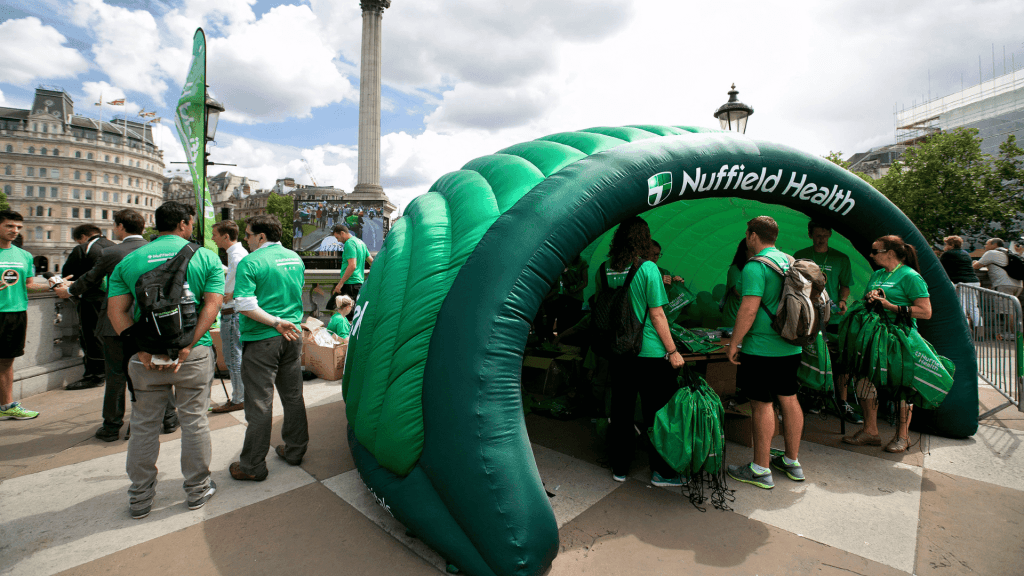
(432, 386)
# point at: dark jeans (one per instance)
(116, 353)
(266, 364)
(655, 380)
(89, 317)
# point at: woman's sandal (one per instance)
(862, 438)
(898, 445)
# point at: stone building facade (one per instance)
(60, 170)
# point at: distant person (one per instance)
(960, 269)
(268, 293)
(996, 260)
(354, 223)
(768, 364)
(297, 233)
(15, 281)
(82, 259)
(733, 279)
(225, 236)
(355, 258)
(838, 278)
(673, 282)
(154, 376)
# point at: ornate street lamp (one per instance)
(213, 110)
(733, 114)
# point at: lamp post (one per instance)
(733, 114)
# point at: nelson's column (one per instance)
(368, 186)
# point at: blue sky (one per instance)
(463, 78)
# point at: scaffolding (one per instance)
(995, 107)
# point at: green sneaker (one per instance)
(747, 474)
(16, 412)
(794, 470)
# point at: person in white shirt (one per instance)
(996, 260)
(225, 235)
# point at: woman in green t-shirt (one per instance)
(339, 324)
(896, 285)
(653, 373)
(731, 300)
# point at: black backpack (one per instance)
(617, 331)
(1014, 264)
(167, 321)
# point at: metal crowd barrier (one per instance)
(996, 326)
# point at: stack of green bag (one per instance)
(815, 372)
(695, 343)
(688, 434)
(890, 353)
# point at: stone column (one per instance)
(368, 179)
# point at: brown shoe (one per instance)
(279, 449)
(237, 474)
(862, 438)
(228, 407)
(898, 445)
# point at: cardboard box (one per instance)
(739, 425)
(721, 376)
(327, 362)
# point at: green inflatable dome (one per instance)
(432, 384)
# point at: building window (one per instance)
(56, 152)
(7, 170)
(76, 194)
(104, 214)
(43, 151)
(35, 127)
(30, 191)
(53, 192)
(78, 175)
(39, 211)
(7, 190)
(74, 212)
(106, 196)
(31, 149)
(128, 198)
(117, 196)
(39, 232)
(49, 212)
(136, 199)
(46, 128)
(49, 235)
(88, 194)
(30, 171)
(88, 176)
(106, 178)
(88, 212)
(78, 153)
(89, 156)
(10, 148)
(42, 172)
(117, 159)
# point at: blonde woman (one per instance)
(339, 324)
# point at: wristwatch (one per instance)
(276, 322)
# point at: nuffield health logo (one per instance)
(658, 188)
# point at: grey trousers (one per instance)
(274, 362)
(191, 386)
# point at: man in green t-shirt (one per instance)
(268, 294)
(838, 277)
(354, 256)
(16, 280)
(154, 376)
(767, 364)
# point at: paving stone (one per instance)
(995, 455)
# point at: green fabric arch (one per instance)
(432, 386)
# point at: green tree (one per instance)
(837, 159)
(3, 202)
(284, 208)
(946, 186)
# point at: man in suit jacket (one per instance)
(129, 226)
(81, 260)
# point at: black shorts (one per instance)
(13, 327)
(761, 378)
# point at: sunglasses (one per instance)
(876, 252)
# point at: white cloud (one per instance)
(273, 68)
(30, 51)
(128, 46)
(490, 108)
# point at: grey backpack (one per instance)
(804, 307)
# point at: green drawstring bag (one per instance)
(673, 430)
(679, 297)
(689, 340)
(932, 374)
(815, 372)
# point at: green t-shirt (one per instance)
(205, 273)
(339, 326)
(352, 220)
(760, 280)
(355, 248)
(902, 286)
(732, 302)
(838, 273)
(275, 276)
(646, 291)
(16, 268)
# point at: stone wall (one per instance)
(53, 357)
